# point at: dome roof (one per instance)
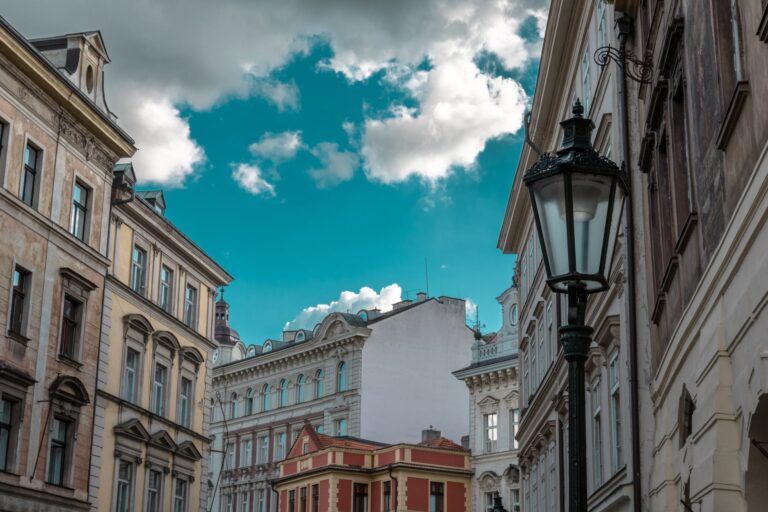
(223, 332)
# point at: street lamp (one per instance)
(577, 199)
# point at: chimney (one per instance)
(465, 442)
(421, 297)
(401, 304)
(429, 435)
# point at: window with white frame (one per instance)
(617, 456)
(233, 412)
(138, 269)
(124, 483)
(600, 24)
(229, 503)
(60, 451)
(20, 294)
(246, 454)
(342, 377)
(514, 424)
(300, 382)
(165, 299)
(249, 402)
(131, 375)
(78, 222)
(597, 455)
(159, 389)
(283, 393)
(261, 501)
(154, 490)
(490, 432)
(266, 393)
(230, 456)
(180, 495)
(245, 502)
(586, 83)
(319, 384)
(263, 455)
(340, 426)
(280, 446)
(30, 182)
(190, 306)
(185, 402)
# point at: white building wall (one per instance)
(407, 384)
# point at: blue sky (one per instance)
(310, 158)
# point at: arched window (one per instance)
(319, 384)
(283, 401)
(249, 402)
(341, 378)
(265, 401)
(233, 407)
(300, 389)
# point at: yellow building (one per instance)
(150, 445)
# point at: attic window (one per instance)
(89, 79)
(300, 337)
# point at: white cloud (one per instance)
(277, 147)
(250, 179)
(208, 52)
(471, 308)
(284, 95)
(348, 301)
(460, 110)
(336, 166)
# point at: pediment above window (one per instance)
(162, 439)
(192, 355)
(138, 322)
(69, 389)
(488, 405)
(132, 428)
(167, 340)
(188, 450)
(512, 397)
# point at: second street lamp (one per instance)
(577, 198)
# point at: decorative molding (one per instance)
(762, 28)
(731, 118)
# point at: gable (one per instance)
(132, 428)
(162, 439)
(188, 450)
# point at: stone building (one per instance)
(58, 144)
(151, 436)
(375, 375)
(568, 71)
(700, 200)
(494, 412)
(342, 474)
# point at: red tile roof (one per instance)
(442, 443)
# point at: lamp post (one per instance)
(577, 198)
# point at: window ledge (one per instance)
(69, 361)
(739, 96)
(762, 29)
(686, 233)
(658, 308)
(20, 338)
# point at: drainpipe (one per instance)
(624, 26)
(393, 490)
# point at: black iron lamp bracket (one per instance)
(635, 68)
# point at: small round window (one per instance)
(513, 315)
(89, 79)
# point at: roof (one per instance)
(442, 443)
(353, 443)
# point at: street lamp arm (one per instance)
(635, 68)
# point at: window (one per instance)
(586, 84)
(319, 384)
(551, 339)
(70, 328)
(159, 389)
(283, 397)
(534, 362)
(29, 182)
(526, 378)
(233, 406)
(249, 402)
(303, 499)
(280, 446)
(435, 497)
(78, 221)
(229, 506)
(124, 495)
(19, 301)
(166, 289)
(542, 483)
(190, 306)
(9, 411)
(490, 432)
(552, 477)
(180, 496)
(245, 505)
(387, 501)
(154, 490)
(320, 429)
(543, 360)
(341, 427)
(292, 501)
(263, 456)
(230, 455)
(58, 456)
(617, 456)
(360, 498)
(597, 455)
(315, 498)
(514, 422)
(246, 456)
(600, 24)
(515, 497)
(686, 408)
(185, 400)
(131, 375)
(261, 501)
(265, 400)
(300, 389)
(488, 500)
(342, 377)
(138, 269)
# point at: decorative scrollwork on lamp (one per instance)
(635, 68)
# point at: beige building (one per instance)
(575, 30)
(701, 202)
(58, 143)
(151, 440)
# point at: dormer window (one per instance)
(267, 347)
(89, 79)
(300, 337)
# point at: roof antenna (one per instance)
(426, 275)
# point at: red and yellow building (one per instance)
(344, 474)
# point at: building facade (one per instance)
(568, 71)
(151, 436)
(700, 200)
(342, 474)
(494, 411)
(58, 143)
(374, 375)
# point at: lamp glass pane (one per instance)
(549, 199)
(591, 195)
(613, 232)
